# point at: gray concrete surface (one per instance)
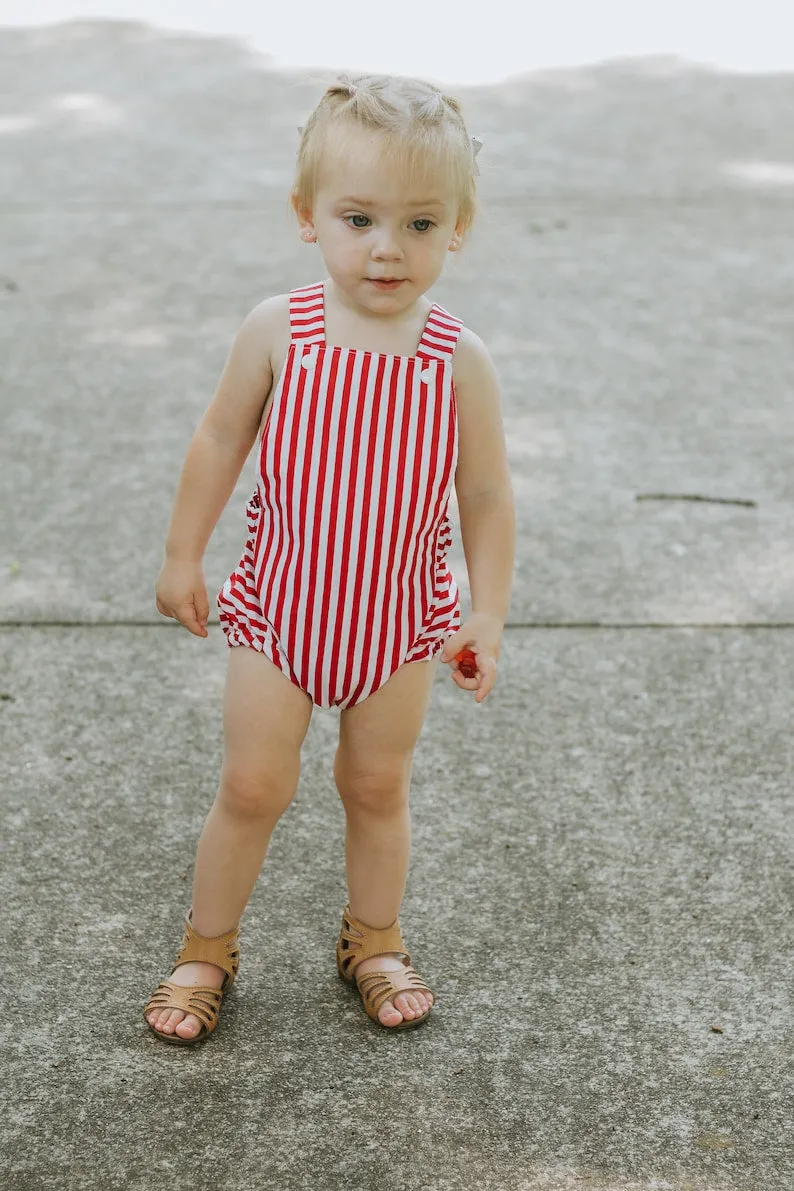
(601, 883)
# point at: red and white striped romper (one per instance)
(344, 575)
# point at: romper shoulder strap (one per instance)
(440, 335)
(307, 313)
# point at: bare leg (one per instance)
(372, 769)
(265, 719)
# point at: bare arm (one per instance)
(222, 441)
(215, 456)
(487, 511)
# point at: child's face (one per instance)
(371, 227)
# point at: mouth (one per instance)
(386, 283)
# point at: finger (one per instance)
(487, 681)
(453, 645)
(188, 618)
(465, 684)
(202, 608)
(195, 628)
(470, 684)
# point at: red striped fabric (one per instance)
(344, 577)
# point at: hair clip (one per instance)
(476, 145)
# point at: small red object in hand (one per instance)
(467, 663)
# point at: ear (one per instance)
(305, 221)
(456, 239)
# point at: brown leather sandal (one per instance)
(203, 1002)
(358, 942)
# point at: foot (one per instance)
(408, 1005)
(176, 1021)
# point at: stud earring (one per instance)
(308, 236)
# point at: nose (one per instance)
(386, 247)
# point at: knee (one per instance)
(251, 796)
(373, 787)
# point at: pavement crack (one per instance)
(713, 500)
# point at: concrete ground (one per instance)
(601, 880)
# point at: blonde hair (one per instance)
(421, 126)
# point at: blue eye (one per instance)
(364, 218)
(427, 222)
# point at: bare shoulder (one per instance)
(472, 365)
(271, 311)
(268, 323)
(245, 388)
(482, 459)
(262, 341)
(469, 344)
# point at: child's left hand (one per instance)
(482, 634)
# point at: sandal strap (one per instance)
(358, 942)
(377, 987)
(204, 1003)
(221, 950)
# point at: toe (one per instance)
(405, 1003)
(189, 1027)
(416, 1005)
(389, 1015)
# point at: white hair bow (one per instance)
(476, 145)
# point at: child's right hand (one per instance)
(181, 593)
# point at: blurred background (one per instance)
(467, 41)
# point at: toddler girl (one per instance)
(368, 401)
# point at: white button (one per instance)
(310, 360)
(427, 375)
